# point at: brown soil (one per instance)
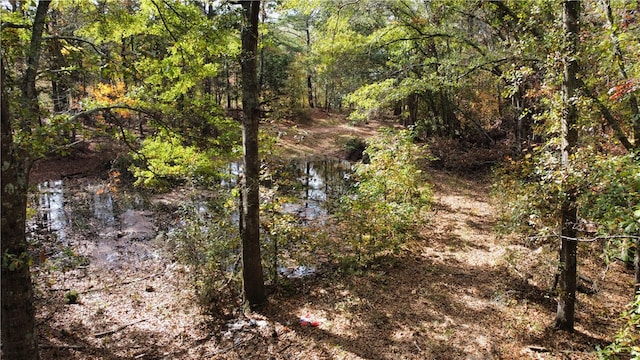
(462, 291)
(325, 136)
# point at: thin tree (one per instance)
(18, 329)
(565, 315)
(252, 272)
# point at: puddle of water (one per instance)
(103, 206)
(50, 213)
(119, 228)
(322, 181)
(297, 272)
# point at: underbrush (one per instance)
(388, 202)
(207, 241)
(460, 156)
(385, 205)
(605, 188)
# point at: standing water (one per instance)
(110, 231)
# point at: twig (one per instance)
(105, 333)
(61, 347)
(538, 348)
(604, 273)
(120, 283)
(108, 286)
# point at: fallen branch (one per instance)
(108, 286)
(61, 347)
(105, 333)
(538, 348)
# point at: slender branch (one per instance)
(105, 333)
(106, 287)
(107, 108)
(164, 21)
(7, 25)
(75, 38)
(606, 113)
(61, 347)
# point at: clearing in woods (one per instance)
(462, 291)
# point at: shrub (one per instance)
(627, 341)
(388, 201)
(207, 241)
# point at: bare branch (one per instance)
(74, 38)
(107, 108)
(7, 25)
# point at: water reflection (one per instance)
(50, 213)
(102, 204)
(314, 183)
(322, 181)
(93, 208)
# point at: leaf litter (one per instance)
(461, 291)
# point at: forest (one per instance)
(320, 179)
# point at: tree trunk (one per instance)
(227, 83)
(59, 85)
(309, 78)
(565, 315)
(636, 261)
(19, 337)
(252, 273)
(29, 97)
(310, 91)
(18, 326)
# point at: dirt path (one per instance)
(450, 296)
(459, 292)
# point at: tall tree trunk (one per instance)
(227, 83)
(59, 85)
(19, 337)
(18, 326)
(309, 78)
(565, 315)
(636, 261)
(252, 273)
(28, 87)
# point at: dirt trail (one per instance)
(456, 293)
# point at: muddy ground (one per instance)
(461, 291)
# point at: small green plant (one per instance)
(627, 341)
(14, 262)
(71, 297)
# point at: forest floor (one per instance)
(460, 291)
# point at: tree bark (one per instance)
(18, 326)
(565, 316)
(252, 272)
(19, 337)
(636, 262)
(28, 87)
(309, 78)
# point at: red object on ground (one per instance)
(306, 321)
